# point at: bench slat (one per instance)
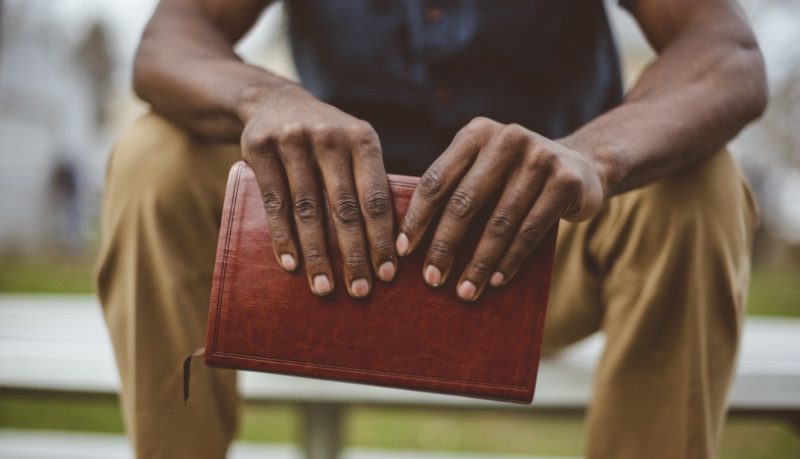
(59, 342)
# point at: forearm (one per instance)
(702, 89)
(200, 83)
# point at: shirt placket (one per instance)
(438, 28)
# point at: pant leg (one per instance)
(575, 308)
(673, 259)
(663, 271)
(161, 213)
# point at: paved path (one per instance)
(66, 445)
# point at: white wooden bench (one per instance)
(60, 343)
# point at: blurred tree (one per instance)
(93, 54)
(68, 238)
(769, 150)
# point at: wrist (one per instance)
(254, 98)
(607, 159)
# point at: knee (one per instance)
(708, 201)
(679, 249)
(150, 159)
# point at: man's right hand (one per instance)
(292, 140)
(297, 145)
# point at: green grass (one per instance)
(60, 412)
(46, 276)
(479, 431)
(270, 423)
(775, 291)
(441, 430)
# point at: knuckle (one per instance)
(440, 250)
(363, 135)
(355, 260)
(313, 256)
(567, 182)
(378, 204)
(383, 247)
(361, 130)
(478, 128)
(279, 237)
(541, 159)
(529, 234)
(345, 209)
(306, 208)
(461, 204)
(369, 150)
(480, 123)
(501, 225)
(514, 136)
(431, 183)
(291, 134)
(326, 136)
(257, 142)
(274, 204)
(480, 268)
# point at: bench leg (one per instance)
(322, 430)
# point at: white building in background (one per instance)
(47, 122)
(52, 148)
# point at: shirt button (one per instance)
(442, 94)
(433, 13)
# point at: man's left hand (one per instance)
(538, 181)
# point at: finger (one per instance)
(438, 182)
(486, 175)
(337, 175)
(275, 196)
(307, 207)
(376, 201)
(545, 212)
(500, 230)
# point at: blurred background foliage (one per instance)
(65, 96)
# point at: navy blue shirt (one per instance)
(419, 70)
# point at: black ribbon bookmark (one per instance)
(187, 368)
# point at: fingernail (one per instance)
(497, 279)
(288, 262)
(467, 290)
(359, 287)
(386, 271)
(402, 244)
(322, 285)
(433, 276)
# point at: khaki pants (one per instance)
(662, 271)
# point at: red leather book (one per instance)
(405, 334)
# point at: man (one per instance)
(516, 99)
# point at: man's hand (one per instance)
(297, 146)
(290, 139)
(539, 181)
